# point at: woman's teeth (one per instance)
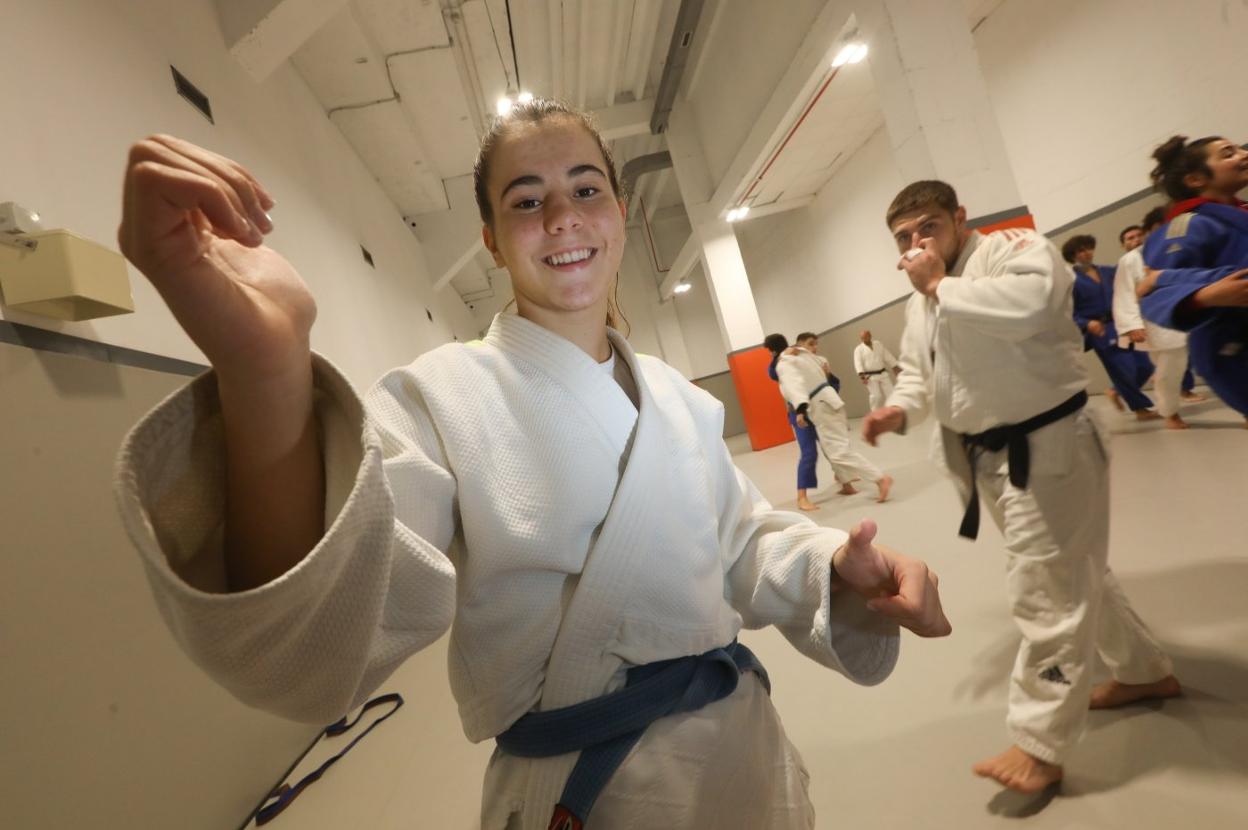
(569, 257)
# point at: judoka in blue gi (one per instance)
(1128, 369)
(1199, 283)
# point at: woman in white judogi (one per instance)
(804, 385)
(564, 505)
(875, 366)
(1166, 347)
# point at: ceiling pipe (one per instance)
(677, 59)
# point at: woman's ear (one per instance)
(487, 236)
(623, 209)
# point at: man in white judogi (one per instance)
(875, 366)
(804, 384)
(991, 347)
(1167, 347)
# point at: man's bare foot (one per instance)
(806, 504)
(847, 489)
(885, 484)
(1019, 771)
(1146, 415)
(1111, 693)
(1192, 397)
(1115, 399)
(1175, 422)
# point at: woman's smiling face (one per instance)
(558, 226)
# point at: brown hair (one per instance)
(1077, 243)
(1175, 159)
(918, 195)
(537, 111)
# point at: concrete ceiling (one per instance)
(413, 83)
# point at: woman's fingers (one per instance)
(237, 184)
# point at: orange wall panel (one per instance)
(766, 418)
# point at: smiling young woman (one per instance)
(566, 506)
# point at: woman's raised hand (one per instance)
(194, 222)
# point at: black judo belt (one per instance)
(875, 372)
(1013, 436)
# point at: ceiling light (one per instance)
(682, 288)
(503, 105)
(852, 52)
(738, 213)
(524, 97)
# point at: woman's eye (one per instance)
(586, 192)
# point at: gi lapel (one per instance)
(580, 666)
(567, 364)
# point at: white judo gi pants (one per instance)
(832, 427)
(879, 387)
(1168, 379)
(1064, 599)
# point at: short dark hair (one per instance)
(1122, 233)
(1175, 159)
(1077, 243)
(806, 335)
(919, 195)
(776, 343)
(1153, 219)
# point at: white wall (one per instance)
(814, 268)
(1083, 92)
(99, 79)
(1045, 64)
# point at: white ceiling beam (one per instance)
(649, 30)
(458, 265)
(582, 60)
(618, 39)
(263, 34)
(689, 255)
(779, 206)
(554, 10)
(624, 120)
(808, 68)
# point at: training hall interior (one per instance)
(758, 145)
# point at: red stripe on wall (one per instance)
(1024, 221)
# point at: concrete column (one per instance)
(729, 286)
(936, 108)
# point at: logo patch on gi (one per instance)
(1174, 248)
(1178, 226)
(1053, 674)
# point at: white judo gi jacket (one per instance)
(873, 358)
(802, 373)
(1008, 348)
(1126, 308)
(508, 489)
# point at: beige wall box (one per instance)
(64, 276)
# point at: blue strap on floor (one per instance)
(285, 794)
(606, 728)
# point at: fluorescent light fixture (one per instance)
(851, 53)
(503, 105)
(524, 97)
(738, 213)
(682, 288)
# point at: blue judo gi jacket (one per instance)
(1199, 246)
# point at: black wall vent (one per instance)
(191, 93)
(367, 256)
(429, 314)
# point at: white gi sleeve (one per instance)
(912, 392)
(859, 368)
(1126, 304)
(1013, 290)
(778, 571)
(315, 642)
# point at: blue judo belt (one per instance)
(606, 728)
